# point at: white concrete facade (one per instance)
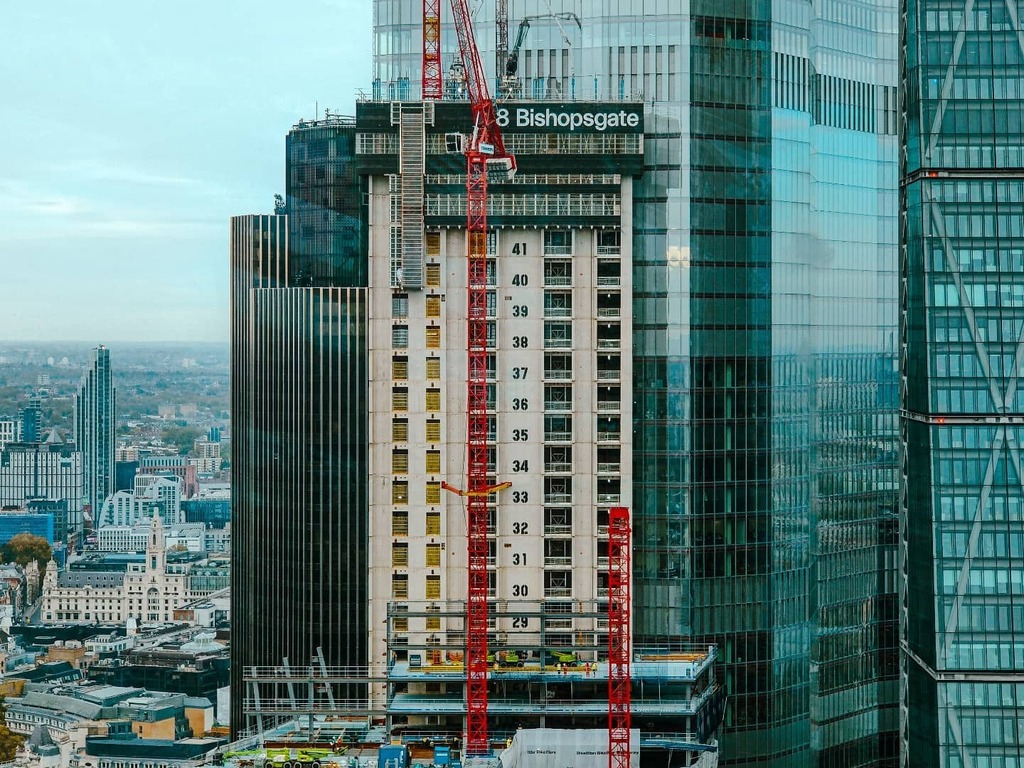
(562, 381)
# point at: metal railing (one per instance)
(528, 205)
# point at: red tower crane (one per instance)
(485, 150)
(500, 39)
(431, 50)
(619, 651)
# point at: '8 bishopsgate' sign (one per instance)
(569, 117)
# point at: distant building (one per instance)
(126, 453)
(10, 432)
(37, 523)
(198, 667)
(94, 430)
(31, 420)
(207, 458)
(104, 726)
(124, 475)
(45, 472)
(151, 493)
(133, 538)
(166, 411)
(149, 591)
(176, 465)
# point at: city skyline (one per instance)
(131, 135)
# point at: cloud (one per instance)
(96, 170)
(18, 198)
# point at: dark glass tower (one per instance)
(764, 339)
(299, 415)
(94, 433)
(962, 328)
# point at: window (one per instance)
(400, 623)
(558, 335)
(400, 336)
(434, 621)
(400, 586)
(557, 272)
(433, 431)
(433, 275)
(433, 368)
(399, 555)
(433, 337)
(433, 493)
(399, 492)
(400, 431)
(557, 304)
(433, 306)
(400, 462)
(433, 399)
(558, 241)
(400, 368)
(433, 523)
(433, 588)
(608, 241)
(399, 399)
(433, 462)
(399, 305)
(433, 555)
(432, 240)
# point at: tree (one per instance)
(9, 742)
(25, 547)
(181, 437)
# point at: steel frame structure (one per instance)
(619, 651)
(431, 78)
(485, 147)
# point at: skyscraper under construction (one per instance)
(691, 312)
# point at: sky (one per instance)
(130, 133)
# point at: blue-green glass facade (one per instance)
(962, 325)
(765, 341)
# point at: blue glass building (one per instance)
(765, 339)
(38, 524)
(94, 433)
(962, 224)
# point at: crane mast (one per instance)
(431, 50)
(619, 651)
(485, 149)
(500, 39)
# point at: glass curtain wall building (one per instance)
(962, 315)
(94, 433)
(299, 414)
(764, 324)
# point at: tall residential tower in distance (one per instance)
(764, 326)
(94, 430)
(962, 332)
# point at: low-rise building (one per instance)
(104, 725)
(148, 591)
(132, 538)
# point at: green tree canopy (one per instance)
(180, 437)
(9, 742)
(25, 547)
